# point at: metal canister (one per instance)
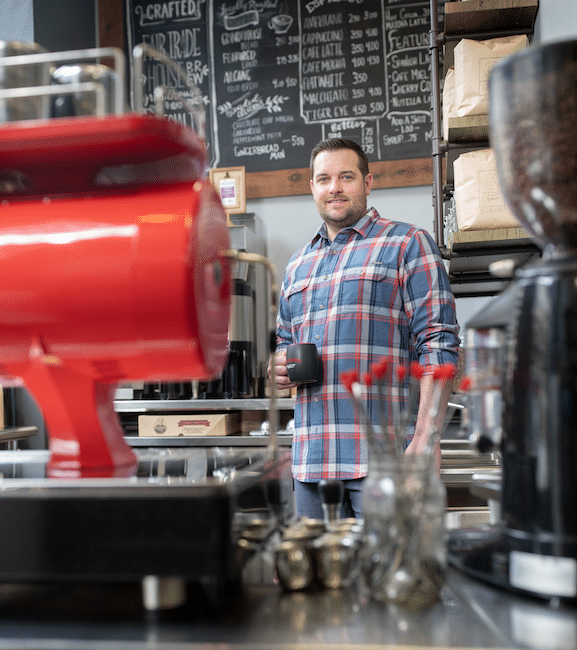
(337, 559)
(29, 75)
(83, 102)
(295, 562)
(295, 565)
(305, 529)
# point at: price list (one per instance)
(255, 66)
(342, 61)
(408, 86)
(278, 76)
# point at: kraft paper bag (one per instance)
(479, 202)
(448, 101)
(474, 61)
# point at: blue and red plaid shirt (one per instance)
(380, 289)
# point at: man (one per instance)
(364, 289)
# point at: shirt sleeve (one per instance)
(429, 302)
(283, 321)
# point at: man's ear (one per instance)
(368, 184)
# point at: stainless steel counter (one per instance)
(261, 616)
(470, 615)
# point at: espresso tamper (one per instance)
(331, 492)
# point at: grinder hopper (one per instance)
(533, 106)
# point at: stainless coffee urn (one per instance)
(243, 374)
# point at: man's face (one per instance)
(339, 189)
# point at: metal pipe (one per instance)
(78, 55)
(197, 108)
(434, 46)
(68, 89)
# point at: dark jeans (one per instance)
(308, 502)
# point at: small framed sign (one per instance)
(230, 185)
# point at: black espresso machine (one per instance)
(524, 345)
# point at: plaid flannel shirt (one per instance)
(378, 290)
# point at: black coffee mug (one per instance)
(302, 363)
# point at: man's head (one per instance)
(334, 144)
(340, 183)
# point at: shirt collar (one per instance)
(362, 226)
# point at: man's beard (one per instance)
(351, 216)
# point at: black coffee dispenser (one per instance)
(533, 121)
(237, 375)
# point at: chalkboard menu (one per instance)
(277, 76)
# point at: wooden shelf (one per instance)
(474, 16)
(467, 240)
(474, 251)
(470, 128)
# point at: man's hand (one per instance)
(282, 380)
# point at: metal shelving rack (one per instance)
(469, 254)
(242, 404)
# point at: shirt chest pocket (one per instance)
(367, 285)
(297, 297)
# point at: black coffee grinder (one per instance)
(533, 122)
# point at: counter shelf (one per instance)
(224, 442)
(244, 404)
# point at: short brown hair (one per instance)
(335, 144)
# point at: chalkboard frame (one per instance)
(386, 174)
(288, 182)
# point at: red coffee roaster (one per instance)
(111, 244)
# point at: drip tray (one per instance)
(466, 517)
(181, 515)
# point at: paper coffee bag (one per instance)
(448, 101)
(474, 61)
(479, 202)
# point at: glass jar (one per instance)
(404, 558)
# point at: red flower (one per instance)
(465, 384)
(401, 372)
(416, 369)
(379, 368)
(444, 372)
(348, 378)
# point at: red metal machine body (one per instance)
(112, 270)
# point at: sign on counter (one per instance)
(277, 76)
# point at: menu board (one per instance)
(277, 76)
